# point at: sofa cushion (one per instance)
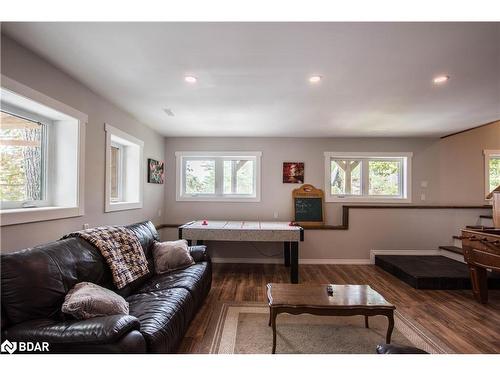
(171, 255)
(196, 279)
(164, 317)
(35, 281)
(87, 300)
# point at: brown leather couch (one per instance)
(35, 282)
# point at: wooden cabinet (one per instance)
(481, 252)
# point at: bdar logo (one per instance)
(9, 347)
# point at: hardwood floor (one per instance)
(455, 317)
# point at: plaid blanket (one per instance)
(121, 249)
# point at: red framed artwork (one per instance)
(293, 173)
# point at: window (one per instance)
(218, 176)
(124, 173)
(116, 172)
(23, 163)
(491, 170)
(368, 177)
(41, 156)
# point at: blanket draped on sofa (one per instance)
(121, 249)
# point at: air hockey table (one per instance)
(258, 231)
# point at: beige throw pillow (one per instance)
(171, 255)
(87, 300)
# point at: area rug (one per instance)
(242, 328)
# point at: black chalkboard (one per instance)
(308, 209)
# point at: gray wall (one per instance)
(23, 66)
(453, 168)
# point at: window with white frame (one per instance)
(23, 149)
(218, 176)
(491, 170)
(41, 156)
(124, 172)
(368, 177)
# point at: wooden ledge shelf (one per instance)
(346, 208)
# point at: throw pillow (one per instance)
(171, 255)
(87, 300)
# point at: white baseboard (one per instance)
(444, 253)
(280, 261)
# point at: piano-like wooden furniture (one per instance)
(481, 252)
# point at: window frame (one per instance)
(128, 140)
(45, 145)
(119, 168)
(404, 177)
(55, 209)
(488, 154)
(219, 157)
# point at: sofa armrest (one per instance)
(99, 330)
(199, 253)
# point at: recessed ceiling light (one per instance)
(314, 79)
(190, 79)
(440, 79)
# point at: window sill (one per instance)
(331, 199)
(218, 199)
(121, 206)
(29, 215)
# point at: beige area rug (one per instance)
(242, 328)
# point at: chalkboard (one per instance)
(308, 209)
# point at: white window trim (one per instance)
(487, 155)
(29, 215)
(128, 205)
(406, 178)
(179, 155)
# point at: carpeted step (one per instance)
(431, 272)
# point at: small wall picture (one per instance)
(293, 173)
(155, 171)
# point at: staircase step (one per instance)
(452, 249)
(431, 272)
(486, 216)
(478, 227)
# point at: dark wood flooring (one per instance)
(455, 317)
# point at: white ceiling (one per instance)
(253, 77)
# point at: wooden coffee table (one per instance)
(347, 300)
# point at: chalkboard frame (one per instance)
(307, 191)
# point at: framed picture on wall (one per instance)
(155, 171)
(293, 173)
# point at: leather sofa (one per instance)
(35, 281)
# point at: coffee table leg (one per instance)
(390, 317)
(273, 324)
(366, 322)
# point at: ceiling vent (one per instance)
(169, 112)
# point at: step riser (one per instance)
(457, 242)
(486, 222)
